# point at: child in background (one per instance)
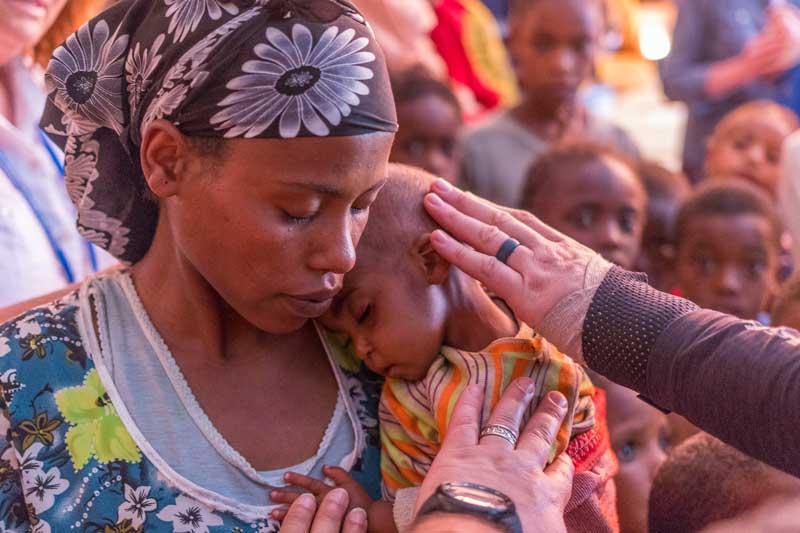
(591, 193)
(786, 308)
(432, 330)
(430, 122)
(641, 438)
(666, 190)
(747, 144)
(728, 245)
(552, 43)
(704, 480)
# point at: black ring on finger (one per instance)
(506, 249)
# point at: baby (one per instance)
(432, 330)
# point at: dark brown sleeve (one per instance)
(733, 378)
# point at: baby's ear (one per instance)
(435, 267)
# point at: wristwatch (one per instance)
(474, 500)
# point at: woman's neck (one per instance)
(474, 320)
(188, 313)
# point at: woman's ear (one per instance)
(163, 157)
(435, 267)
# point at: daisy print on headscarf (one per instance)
(297, 82)
(213, 68)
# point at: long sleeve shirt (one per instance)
(735, 379)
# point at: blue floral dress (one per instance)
(70, 462)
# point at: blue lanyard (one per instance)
(13, 177)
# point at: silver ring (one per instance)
(499, 430)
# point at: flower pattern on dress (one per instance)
(189, 516)
(136, 506)
(5, 349)
(84, 73)
(96, 428)
(297, 82)
(41, 491)
(38, 429)
(185, 15)
(40, 487)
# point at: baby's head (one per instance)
(641, 439)
(786, 307)
(747, 144)
(430, 121)
(728, 237)
(591, 193)
(705, 480)
(391, 306)
(553, 45)
(666, 190)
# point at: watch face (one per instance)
(477, 496)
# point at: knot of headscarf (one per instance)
(214, 68)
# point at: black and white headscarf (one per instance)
(214, 68)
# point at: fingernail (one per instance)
(358, 516)
(526, 384)
(338, 496)
(440, 238)
(442, 186)
(435, 200)
(307, 501)
(558, 399)
(273, 494)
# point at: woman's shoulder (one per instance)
(42, 336)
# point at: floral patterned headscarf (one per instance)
(214, 68)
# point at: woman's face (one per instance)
(23, 22)
(272, 225)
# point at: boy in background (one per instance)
(553, 44)
(728, 247)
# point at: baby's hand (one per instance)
(317, 487)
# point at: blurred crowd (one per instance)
(496, 97)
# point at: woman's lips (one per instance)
(311, 305)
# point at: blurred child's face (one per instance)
(428, 136)
(394, 318)
(601, 205)
(553, 48)
(749, 148)
(640, 437)
(657, 256)
(728, 263)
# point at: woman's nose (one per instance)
(336, 250)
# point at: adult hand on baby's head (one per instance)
(549, 276)
(539, 493)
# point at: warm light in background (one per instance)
(654, 38)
